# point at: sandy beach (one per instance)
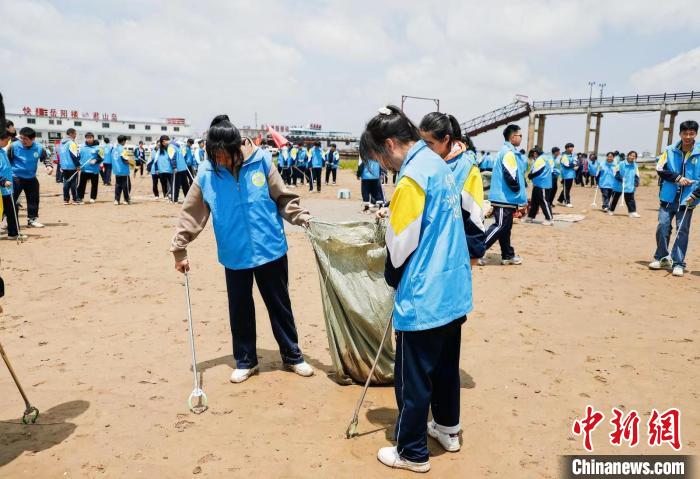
(95, 325)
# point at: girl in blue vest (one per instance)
(541, 176)
(242, 191)
(300, 161)
(443, 135)
(90, 159)
(120, 166)
(369, 173)
(284, 161)
(626, 182)
(181, 174)
(593, 167)
(152, 168)
(316, 162)
(164, 163)
(107, 162)
(332, 162)
(428, 265)
(606, 179)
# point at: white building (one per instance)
(51, 125)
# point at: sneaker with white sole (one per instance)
(389, 456)
(515, 260)
(547, 223)
(661, 263)
(481, 262)
(20, 237)
(605, 210)
(678, 271)
(449, 442)
(34, 223)
(302, 369)
(635, 215)
(116, 203)
(526, 220)
(240, 375)
(91, 201)
(569, 205)
(611, 213)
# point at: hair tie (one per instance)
(384, 111)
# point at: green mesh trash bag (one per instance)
(357, 302)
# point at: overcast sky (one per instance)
(336, 62)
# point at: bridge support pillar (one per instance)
(595, 131)
(531, 131)
(663, 128)
(540, 131)
(599, 117)
(671, 123)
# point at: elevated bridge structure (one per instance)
(667, 104)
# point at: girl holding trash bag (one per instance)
(245, 195)
(428, 265)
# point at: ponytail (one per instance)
(392, 123)
(223, 136)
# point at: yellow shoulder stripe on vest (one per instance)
(407, 204)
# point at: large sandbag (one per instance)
(357, 302)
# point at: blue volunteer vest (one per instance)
(689, 168)
(64, 152)
(544, 179)
(247, 225)
(25, 160)
(499, 191)
(107, 153)
(568, 172)
(370, 171)
(119, 166)
(88, 153)
(607, 175)
(629, 173)
(435, 288)
(5, 172)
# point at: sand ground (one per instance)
(95, 324)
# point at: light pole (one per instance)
(591, 84)
(602, 86)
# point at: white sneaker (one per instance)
(91, 201)
(116, 203)
(20, 237)
(481, 262)
(449, 442)
(569, 205)
(389, 456)
(302, 369)
(611, 213)
(661, 263)
(605, 209)
(526, 220)
(515, 260)
(547, 223)
(240, 375)
(561, 203)
(678, 271)
(635, 215)
(33, 223)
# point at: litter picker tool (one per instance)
(20, 238)
(31, 414)
(595, 197)
(197, 394)
(352, 427)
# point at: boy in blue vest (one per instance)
(242, 191)
(90, 159)
(541, 176)
(428, 265)
(120, 165)
(24, 156)
(70, 165)
(555, 163)
(300, 161)
(506, 194)
(569, 167)
(332, 162)
(679, 170)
